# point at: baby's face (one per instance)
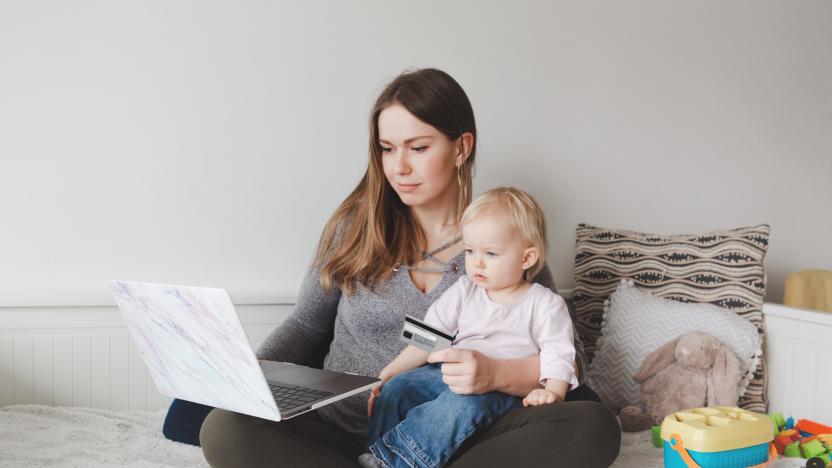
(494, 252)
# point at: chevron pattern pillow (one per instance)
(636, 324)
(722, 268)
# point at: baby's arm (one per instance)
(410, 358)
(553, 333)
(555, 391)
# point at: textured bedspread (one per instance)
(36, 435)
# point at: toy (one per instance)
(730, 437)
(656, 432)
(792, 450)
(806, 426)
(725, 437)
(778, 421)
(689, 371)
(816, 462)
(781, 442)
(812, 449)
(807, 439)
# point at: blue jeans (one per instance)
(419, 422)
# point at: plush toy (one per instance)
(692, 370)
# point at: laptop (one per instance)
(196, 349)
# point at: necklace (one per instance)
(444, 266)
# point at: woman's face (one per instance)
(418, 160)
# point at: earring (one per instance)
(463, 188)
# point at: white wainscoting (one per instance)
(83, 356)
(799, 347)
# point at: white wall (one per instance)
(206, 143)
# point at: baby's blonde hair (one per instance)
(525, 215)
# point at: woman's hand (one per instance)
(467, 372)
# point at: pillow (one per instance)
(721, 268)
(636, 324)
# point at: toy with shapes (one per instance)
(723, 436)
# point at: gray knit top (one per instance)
(361, 332)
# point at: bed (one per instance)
(39, 435)
(77, 394)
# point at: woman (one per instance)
(390, 249)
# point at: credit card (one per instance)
(424, 336)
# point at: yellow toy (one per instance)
(723, 436)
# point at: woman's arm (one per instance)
(518, 377)
(470, 372)
(304, 337)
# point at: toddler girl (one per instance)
(416, 420)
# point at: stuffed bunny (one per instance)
(692, 370)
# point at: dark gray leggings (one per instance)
(568, 434)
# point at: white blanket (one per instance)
(37, 435)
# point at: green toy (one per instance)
(657, 436)
(813, 448)
(792, 450)
(778, 421)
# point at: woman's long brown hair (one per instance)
(372, 231)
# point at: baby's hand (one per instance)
(375, 392)
(541, 396)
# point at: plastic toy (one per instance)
(792, 450)
(656, 432)
(806, 426)
(812, 449)
(778, 421)
(807, 439)
(816, 462)
(730, 437)
(723, 436)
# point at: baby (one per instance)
(416, 420)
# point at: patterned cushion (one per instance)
(636, 324)
(720, 268)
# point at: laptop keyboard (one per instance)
(291, 396)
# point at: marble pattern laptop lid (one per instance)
(194, 346)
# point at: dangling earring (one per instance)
(462, 188)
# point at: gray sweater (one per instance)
(360, 333)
